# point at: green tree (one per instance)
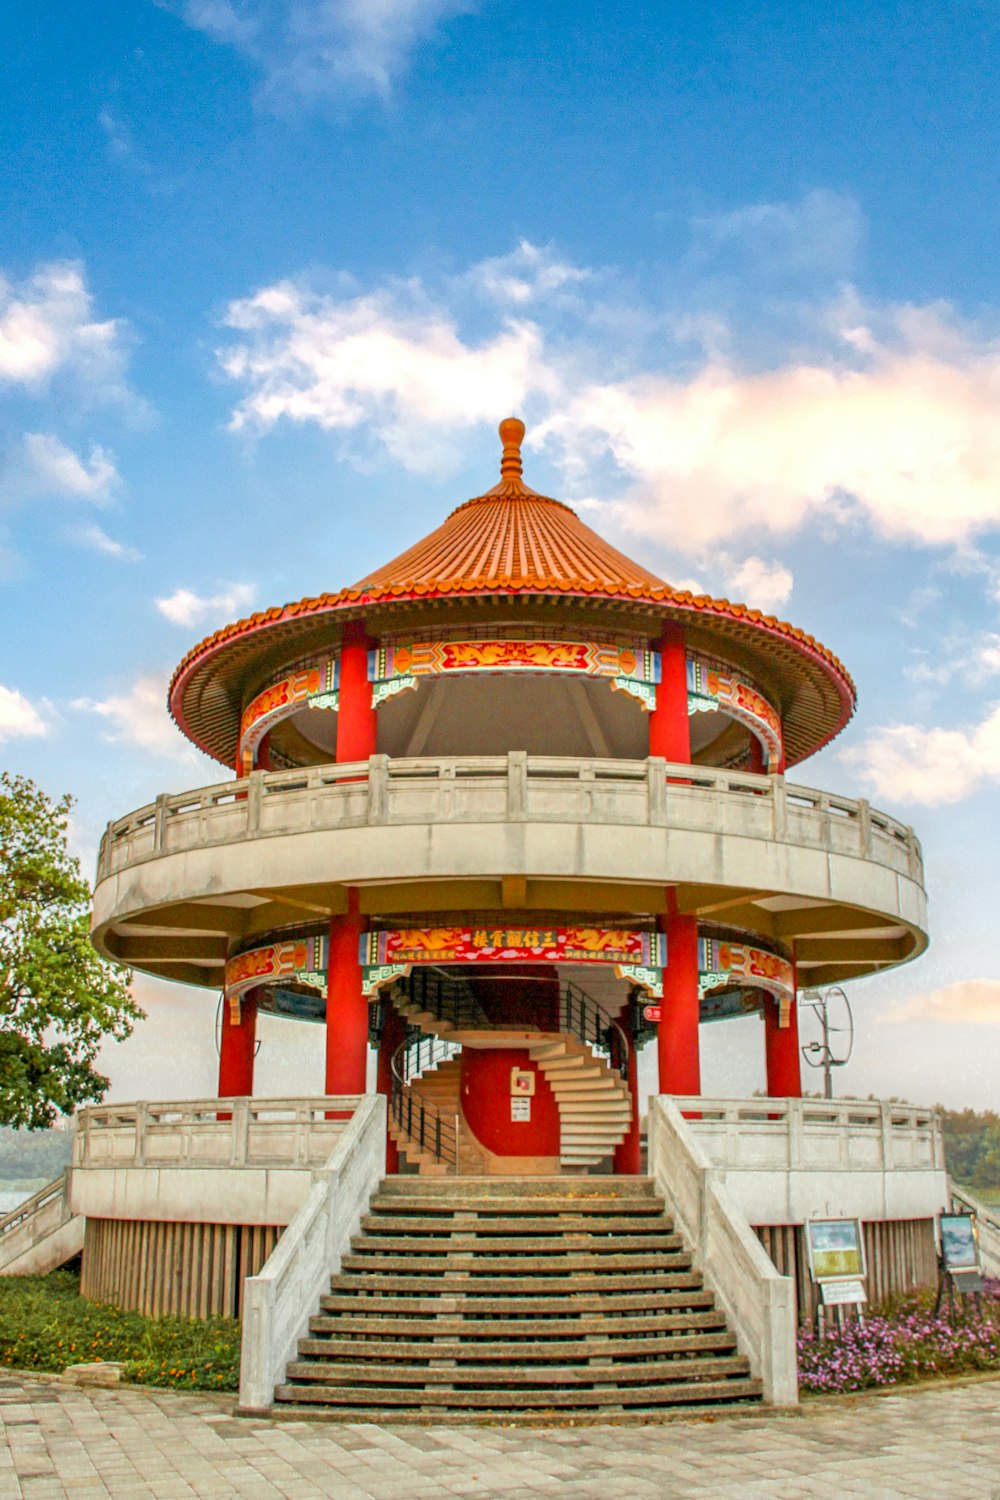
(58, 998)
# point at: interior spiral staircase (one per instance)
(590, 1089)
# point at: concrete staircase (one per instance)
(528, 1299)
(593, 1100)
(42, 1233)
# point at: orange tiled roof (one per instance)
(510, 541)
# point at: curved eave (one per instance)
(207, 712)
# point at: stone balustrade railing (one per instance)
(512, 788)
(825, 1135)
(205, 1133)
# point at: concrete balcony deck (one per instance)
(572, 834)
(224, 1161)
(788, 1160)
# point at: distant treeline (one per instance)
(972, 1148)
(25, 1154)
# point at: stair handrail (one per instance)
(988, 1220)
(39, 1200)
(425, 1124)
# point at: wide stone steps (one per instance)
(690, 1311)
(597, 1372)
(475, 1264)
(515, 1299)
(600, 1399)
(462, 1242)
(483, 1351)
(489, 1226)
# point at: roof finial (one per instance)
(511, 435)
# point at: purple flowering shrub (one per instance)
(903, 1341)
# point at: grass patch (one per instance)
(46, 1325)
(903, 1341)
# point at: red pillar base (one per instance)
(393, 1032)
(628, 1154)
(677, 1033)
(237, 1047)
(781, 1050)
(346, 1007)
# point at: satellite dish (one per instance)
(836, 1020)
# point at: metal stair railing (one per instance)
(427, 1126)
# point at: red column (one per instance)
(677, 1032)
(346, 1007)
(393, 1032)
(236, 1049)
(781, 1048)
(628, 1155)
(669, 725)
(356, 719)
(756, 755)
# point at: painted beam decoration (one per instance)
(723, 963)
(713, 686)
(312, 685)
(638, 956)
(301, 960)
(397, 667)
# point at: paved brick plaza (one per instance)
(924, 1445)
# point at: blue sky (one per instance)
(271, 273)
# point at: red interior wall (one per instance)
(486, 1104)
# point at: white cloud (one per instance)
(763, 585)
(18, 716)
(907, 763)
(138, 716)
(883, 436)
(96, 539)
(42, 467)
(380, 361)
(47, 324)
(184, 607)
(819, 233)
(966, 1002)
(320, 50)
(525, 275)
(888, 421)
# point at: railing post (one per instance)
(864, 828)
(378, 789)
(794, 1126)
(240, 1126)
(656, 792)
(885, 1111)
(779, 809)
(140, 1133)
(255, 793)
(517, 786)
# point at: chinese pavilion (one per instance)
(508, 809)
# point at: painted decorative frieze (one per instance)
(397, 667)
(303, 960)
(638, 956)
(715, 687)
(724, 963)
(313, 685)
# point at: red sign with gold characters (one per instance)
(636, 955)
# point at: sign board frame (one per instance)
(836, 1249)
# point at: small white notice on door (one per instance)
(520, 1109)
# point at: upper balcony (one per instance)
(182, 880)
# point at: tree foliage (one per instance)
(58, 998)
(972, 1148)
